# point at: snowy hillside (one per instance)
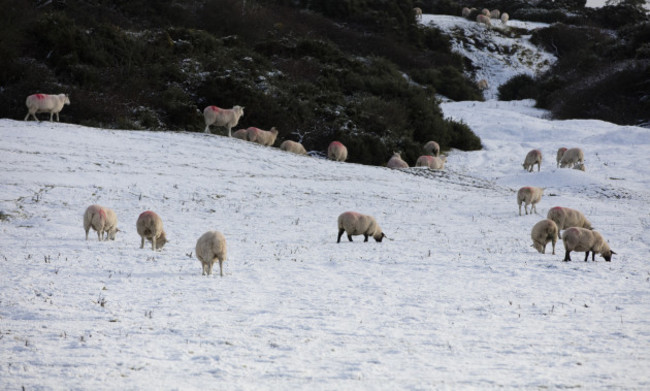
(498, 52)
(457, 299)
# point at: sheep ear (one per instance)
(612, 251)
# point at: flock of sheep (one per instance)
(211, 246)
(485, 16)
(578, 234)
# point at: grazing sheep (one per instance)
(432, 148)
(581, 239)
(505, 17)
(354, 223)
(567, 218)
(533, 157)
(482, 84)
(264, 137)
(466, 11)
(438, 163)
(396, 161)
(543, 232)
(424, 161)
(150, 227)
(44, 103)
(495, 14)
(217, 116)
(571, 157)
(485, 12)
(337, 151)
(101, 219)
(481, 18)
(417, 11)
(211, 247)
(293, 146)
(241, 134)
(560, 153)
(529, 195)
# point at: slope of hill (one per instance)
(457, 299)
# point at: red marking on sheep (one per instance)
(555, 208)
(39, 96)
(147, 213)
(102, 213)
(215, 108)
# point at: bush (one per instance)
(518, 87)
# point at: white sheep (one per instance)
(293, 146)
(560, 153)
(424, 161)
(485, 12)
(337, 151)
(417, 11)
(217, 116)
(150, 227)
(482, 18)
(529, 195)
(432, 148)
(101, 219)
(581, 239)
(495, 14)
(533, 157)
(438, 163)
(572, 157)
(505, 17)
(567, 218)
(264, 137)
(211, 247)
(241, 134)
(482, 84)
(44, 103)
(396, 161)
(354, 223)
(466, 11)
(543, 232)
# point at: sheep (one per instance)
(354, 223)
(581, 239)
(485, 12)
(543, 232)
(571, 157)
(481, 18)
(438, 163)
(150, 227)
(396, 161)
(482, 84)
(424, 161)
(293, 146)
(529, 195)
(210, 247)
(579, 166)
(495, 14)
(217, 116)
(337, 151)
(505, 17)
(241, 134)
(264, 137)
(45, 103)
(417, 11)
(466, 11)
(567, 218)
(101, 219)
(533, 157)
(432, 148)
(560, 153)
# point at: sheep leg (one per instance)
(519, 209)
(141, 241)
(229, 135)
(567, 257)
(221, 268)
(350, 237)
(209, 267)
(365, 236)
(586, 255)
(153, 243)
(532, 206)
(57, 117)
(340, 234)
(207, 129)
(553, 241)
(99, 235)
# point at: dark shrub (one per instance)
(518, 87)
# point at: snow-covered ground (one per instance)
(456, 300)
(498, 52)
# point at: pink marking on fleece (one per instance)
(147, 213)
(557, 208)
(215, 109)
(336, 143)
(102, 213)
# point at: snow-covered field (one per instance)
(456, 300)
(497, 52)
